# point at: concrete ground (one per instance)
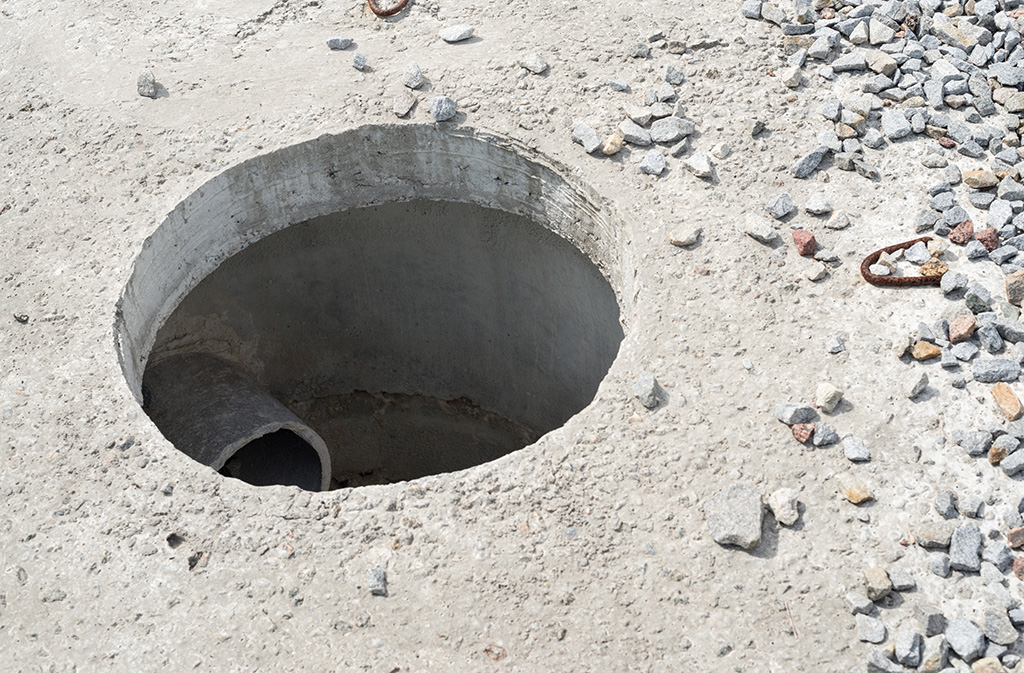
(586, 551)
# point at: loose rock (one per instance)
(457, 33)
(965, 638)
(735, 515)
(442, 108)
(587, 137)
(146, 85)
(647, 390)
(784, 506)
(378, 582)
(852, 488)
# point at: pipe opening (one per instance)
(282, 458)
(343, 336)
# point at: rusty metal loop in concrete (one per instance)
(391, 302)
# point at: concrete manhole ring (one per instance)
(375, 306)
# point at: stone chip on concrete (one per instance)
(735, 515)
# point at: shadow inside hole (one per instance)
(280, 457)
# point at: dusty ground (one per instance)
(587, 551)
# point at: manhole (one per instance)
(372, 307)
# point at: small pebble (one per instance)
(457, 33)
(442, 108)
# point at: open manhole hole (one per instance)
(375, 306)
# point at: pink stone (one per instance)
(804, 241)
(803, 431)
(963, 233)
(989, 238)
(961, 329)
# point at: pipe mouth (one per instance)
(416, 300)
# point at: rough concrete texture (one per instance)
(587, 550)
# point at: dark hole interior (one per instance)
(280, 457)
(414, 338)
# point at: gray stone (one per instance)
(751, 9)
(975, 250)
(965, 549)
(988, 336)
(820, 49)
(917, 383)
(970, 506)
(1010, 190)
(403, 103)
(964, 351)
(954, 216)
(534, 63)
(675, 76)
(817, 204)
(378, 582)
(699, 163)
(999, 555)
(982, 200)
(991, 370)
(859, 604)
(1006, 443)
(832, 109)
(945, 502)
(735, 515)
(339, 43)
(1007, 74)
(932, 620)
(1011, 330)
(978, 298)
(1013, 464)
(824, 436)
(869, 629)
(925, 220)
(854, 449)
(671, 129)
(359, 61)
(634, 134)
(917, 253)
(587, 137)
(456, 33)
(935, 654)
(792, 413)
(412, 77)
(653, 163)
(639, 50)
(442, 108)
(908, 648)
(874, 139)
(975, 442)
(943, 201)
(780, 206)
(647, 390)
(938, 563)
(852, 62)
(805, 165)
(965, 638)
(760, 229)
(902, 580)
(878, 662)
(146, 85)
(895, 124)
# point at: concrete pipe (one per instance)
(219, 417)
